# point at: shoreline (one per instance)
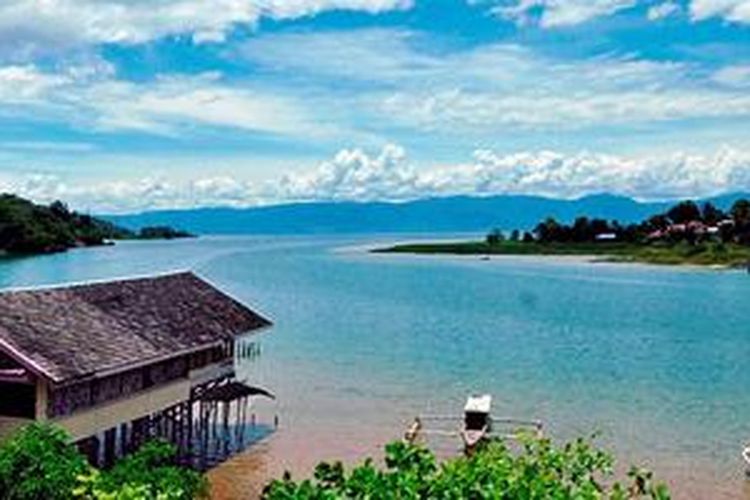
(621, 255)
(299, 450)
(562, 260)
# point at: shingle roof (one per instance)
(76, 331)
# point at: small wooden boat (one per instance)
(477, 421)
(475, 427)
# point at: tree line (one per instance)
(686, 221)
(29, 228)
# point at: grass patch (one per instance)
(703, 254)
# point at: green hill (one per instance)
(29, 228)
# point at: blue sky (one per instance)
(121, 106)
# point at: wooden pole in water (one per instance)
(203, 432)
(226, 427)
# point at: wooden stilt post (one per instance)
(226, 428)
(110, 443)
(123, 439)
(189, 417)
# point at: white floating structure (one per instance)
(475, 426)
(479, 404)
(477, 420)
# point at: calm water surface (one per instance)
(654, 359)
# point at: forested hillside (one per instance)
(30, 228)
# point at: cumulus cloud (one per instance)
(389, 175)
(663, 10)
(672, 176)
(353, 175)
(557, 13)
(29, 27)
(737, 11)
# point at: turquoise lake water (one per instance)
(655, 359)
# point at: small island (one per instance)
(27, 228)
(687, 234)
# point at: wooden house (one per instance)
(118, 362)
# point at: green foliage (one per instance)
(684, 212)
(29, 228)
(684, 222)
(740, 212)
(494, 237)
(148, 473)
(38, 463)
(711, 214)
(538, 470)
(663, 253)
(685, 234)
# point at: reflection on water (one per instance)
(222, 447)
(654, 358)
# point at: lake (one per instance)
(654, 359)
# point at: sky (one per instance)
(121, 106)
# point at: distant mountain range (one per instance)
(433, 215)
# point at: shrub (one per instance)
(148, 473)
(538, 470)
(39, 463)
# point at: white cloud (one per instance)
(379, 55)
(29, 27)
(663, 10)
(559, 13)
(389, 175)
(734, 76)
(90, 98)
(288, 9)
(671, 176)
(462, 111)
(493, 87)
(25, 83)
(737, 11)
(353, 174)
(171, 102)
(472, 93)
(154, 192)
